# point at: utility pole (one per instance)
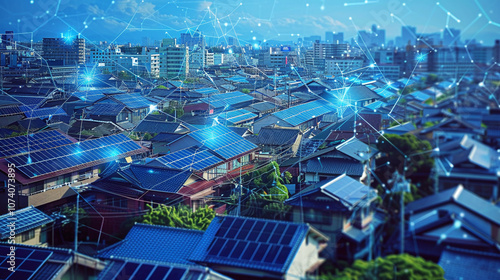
(76, 220)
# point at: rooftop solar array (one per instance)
(206, 91)
(227, 99)
(237, 79)
(190, 158)
(31, 112)
(132, 100)
(257, 243)
(26, 219)
(223, 141)
(105, 109)
(153, 271)
(32, 142)
(304, 112)
(347, 189)
(237, 116)
(72, 155)
(28, 262)
(94, 95)
(10, 110)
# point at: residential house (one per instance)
(344, 210)
(454, 218)
(217, 103)
(238, 247)
(461, 264)
(277, 143)
(41, 263)
(468, 162)
(48, 164)
(30, 227)
(303, 116)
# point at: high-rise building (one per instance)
(174, 59)
(451, 36)
(338, 38)
(328, 50)
(64, 51)
(408, 35)
(7, 38)
(496, 51)
(192, 40)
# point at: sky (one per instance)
(122, 21)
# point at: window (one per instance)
(28, 235)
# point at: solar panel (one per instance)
(132, 100)
(31, 112)
(263, 242)
(237, 116)
(227, 99)
(223, 141)
(51, 160)
(149, 271)
(10, 110)
(190, 158)
(28, 262)
(32, 142)
(304, 112)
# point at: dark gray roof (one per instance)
(459, 264)
(277, 136)
(334, 166)
(156, 126)
(460, 196)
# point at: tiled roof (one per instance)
(277, 136)
(246, 237)
(461, 264)
(334, 166)
(460, 196)
(25, 219)
(156, 126)
(156, 178)
(155, 243)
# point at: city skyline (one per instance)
(131, 20)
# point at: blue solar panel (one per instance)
(223, 141)
(121, 269)
(190, 158)
(72, 155)
(206, 91)
(31, 112)
(10, 110)
(304, 112)
(237, 116)
(227, 99)
(32, 142)
(264, 242)
(132, 100)
(105, 109)
(94, 95)
(28, 262)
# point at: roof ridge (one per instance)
(169, 227)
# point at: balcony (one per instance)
(53, 193)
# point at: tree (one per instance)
(269, 200)
(174, 110)
(68, 228)
(391, 267)
(398, 151)
(180, 216)
(245, 90)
